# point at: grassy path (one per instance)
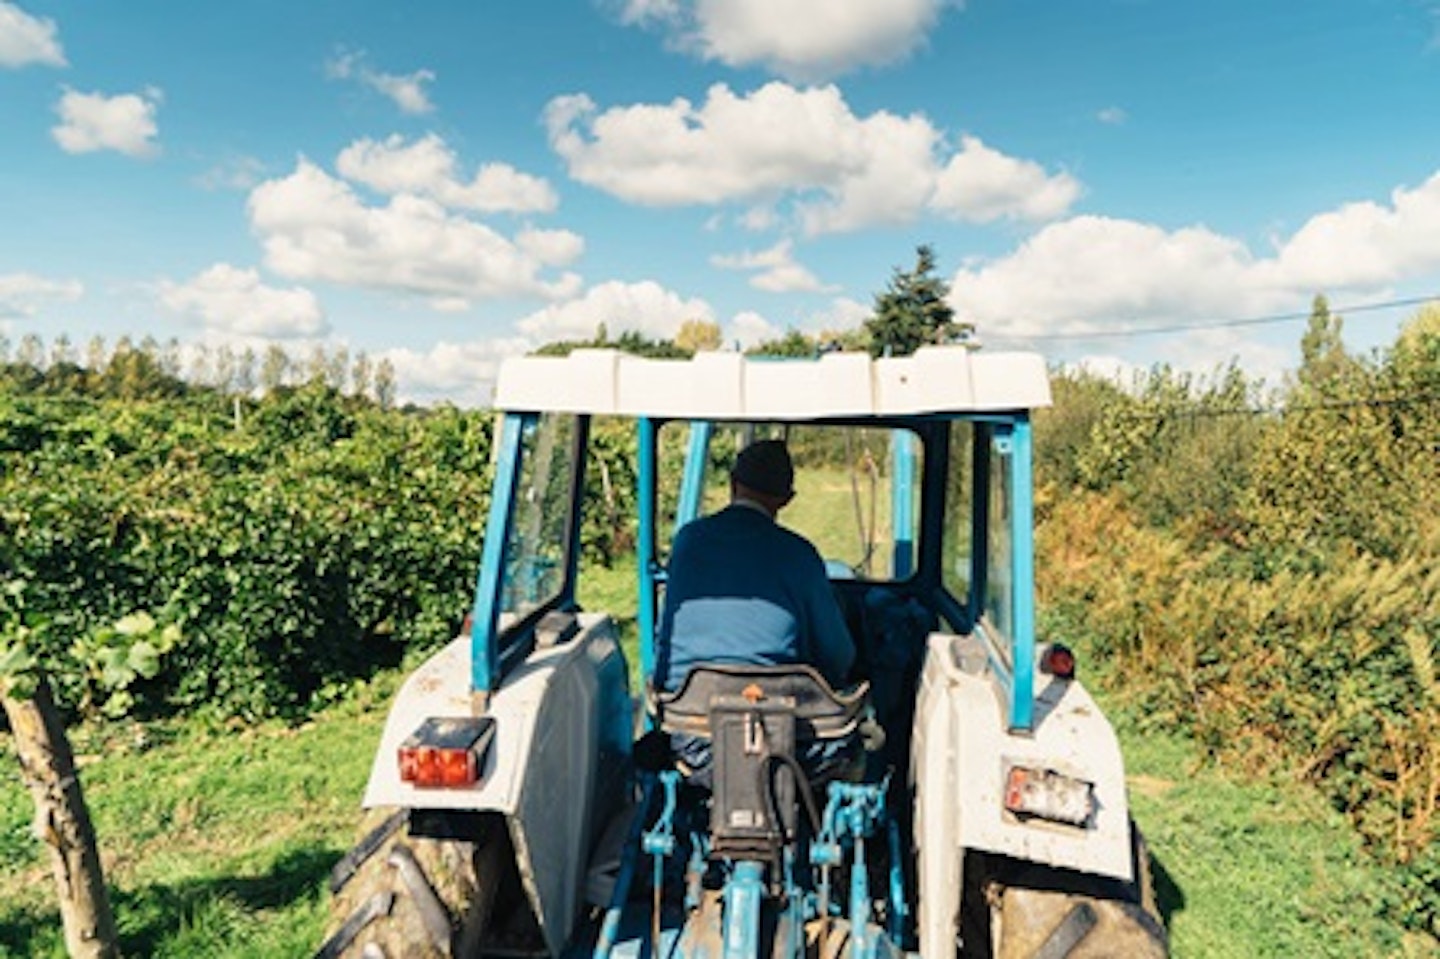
(218, 842)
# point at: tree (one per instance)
(698, 335)
(1323, 360)
(275, 368)
(792, 344)
(913, 311)
(361, 372)
(384, 383)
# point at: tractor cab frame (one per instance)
(991, 819)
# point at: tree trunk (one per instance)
(62, 823)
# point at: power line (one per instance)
(1224, 324)
(1394, 402)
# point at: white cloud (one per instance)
(645, 307)
(748, 328)
(844, 172)
(982, 185)
(406, 91)
(93, 121)
(26, 39)
(314, 227)
(1365, 244)
(227, 299)
(1112, 116)
(775, 270)
(1081, 274)
(1092, 274)
(463, 373)
(24, 295)
(428, 167)
(798, 39)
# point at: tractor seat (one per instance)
(820, 712)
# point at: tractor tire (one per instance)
(1017, 910)
(1080, 917)
(402, 896)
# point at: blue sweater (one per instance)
(742, 589)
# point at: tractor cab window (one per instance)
(856, 497)
(537, 547)
(956, 544)
(999, 599)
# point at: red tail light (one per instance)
(446, 753)
(1058, 661)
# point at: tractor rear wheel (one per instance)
(398, 895)
(1016, 910)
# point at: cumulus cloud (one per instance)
(804, 40)
(645, 307)
(228, 299)
(406, 91)
(428, 167)
(774, 270)
(844, 172)
(25, 295)
(314, 227)
(27, 39)
(1112, 116)
(981, 185)
(1091, 274)
(94, 121)
(748, 328)
(1365, 244)
(462, 373)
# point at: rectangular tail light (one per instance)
(446, 753)
(1041, 793)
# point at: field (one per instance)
(1252, 592)
(218, 841)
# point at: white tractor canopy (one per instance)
(730, 386)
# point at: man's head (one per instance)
(763, 473)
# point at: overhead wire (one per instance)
(1224, 323)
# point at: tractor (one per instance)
(523, 802)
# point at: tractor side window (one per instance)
(540, 527)
(956, 546)
(999, 590)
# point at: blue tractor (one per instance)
(518, 802)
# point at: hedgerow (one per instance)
(300, 540)
(1265, 574)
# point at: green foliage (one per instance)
(913, 310)
(630, 341)
(1266, 581)
(303, 542)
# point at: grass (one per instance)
(217, 842)
(214, 841)
(1246, 868)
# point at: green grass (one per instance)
(217, 842)
(1247, 868)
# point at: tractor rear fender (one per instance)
(556, 766)
(960, 757)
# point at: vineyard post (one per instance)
(62, 822)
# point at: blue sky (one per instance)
(445, 184)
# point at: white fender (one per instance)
(562, 725)
(961, 750)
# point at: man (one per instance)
(743, 589)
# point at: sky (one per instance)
(447, 183)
